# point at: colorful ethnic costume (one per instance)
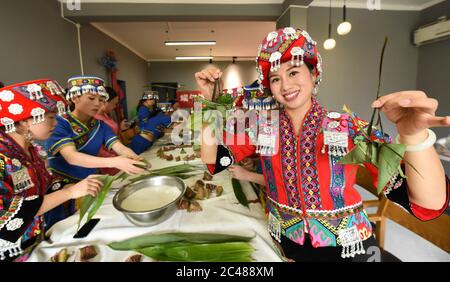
(24, 179)
(311, 196)
(86, 138)
(150, 121)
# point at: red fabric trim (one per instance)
(239, 150)
(211, 168)
(428, 214)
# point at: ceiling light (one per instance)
(345, 26)
(194, 58)
(184, 43)
(330, 43)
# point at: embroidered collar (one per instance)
(315, 113)
(79, 127)
(13, 150)
(290, 157)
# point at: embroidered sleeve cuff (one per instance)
(110, 142)
(19, 216)
(59, 145)
(236, 147)
(400, 196)
(224, 159)
(55, 186)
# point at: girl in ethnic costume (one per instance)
(27, 189)
(151, 122)
(315, 213)
(76, 141)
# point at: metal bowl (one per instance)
(154, 216)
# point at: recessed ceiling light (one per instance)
(184, 43)
(194, 58)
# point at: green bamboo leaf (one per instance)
(230, 251)
(374, 151)
(390, 158)
(88, 201)
(358, 155)
(148, 240)
(239, 193)
(407, 162)
(107, 182)
(85, 204)
(209, 252)
(121, 176)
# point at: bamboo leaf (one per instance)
(390, 157)
(90, 205)
(85, 204)
(148, 240)
(230, 251)
(211, 252)
(358, 155)
(374, 150)
(239, 193)
(107, 182)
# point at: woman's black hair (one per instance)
(111, 92)
(2, 84)
(141, 101)
(71, 105)
(310, 67)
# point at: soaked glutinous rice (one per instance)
(150, 198)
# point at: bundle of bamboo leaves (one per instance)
(206, 247)
(214, 111)
(386, 157)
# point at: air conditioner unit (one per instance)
(432, 32)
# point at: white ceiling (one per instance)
(385, 4)
(239, 39)
(407, 5)
(147, 38)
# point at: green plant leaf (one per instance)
(239, 193)
(390, 157)
(208, 252)
(90, 204)
(358, 155)
(148, 240)
(85, 204)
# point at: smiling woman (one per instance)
(314, 211)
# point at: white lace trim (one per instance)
(19, 206)
(31, 198)
(394, 183)
(14, 224)
(13, 248)
(351, 207)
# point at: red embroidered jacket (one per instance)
(308, 190)
(24, 180)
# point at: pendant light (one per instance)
(330, 43)
(345, 26)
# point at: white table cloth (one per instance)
(220, 215)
